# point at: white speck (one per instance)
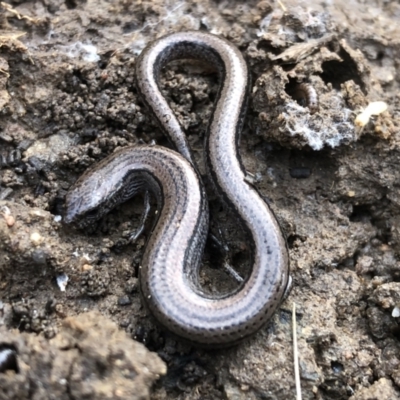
(206, 22)
(5, 210)
(36, 238)
(88, 52)
(4, 355)
(86, 257)
(264, 25)
(271, 173)
(396, 312)
(57, 218)
(62, 281)
(137, 46)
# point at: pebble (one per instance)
(124, 301)
(36, 238)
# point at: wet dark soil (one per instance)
(68, 99)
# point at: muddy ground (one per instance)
(68, 98)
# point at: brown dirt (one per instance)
(68, 98)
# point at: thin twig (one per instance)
(282, 6)
(9, 8)
(4, 72)
(296, 355)
(233, 273)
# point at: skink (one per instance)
(173, 253)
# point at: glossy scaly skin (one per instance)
(171, 260)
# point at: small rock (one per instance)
(48, 150)
(382, 389)
(132, 286)
(124, 301)
(6, 213)
(365, 265)
(39, 257)
(387, 295)
(86, 267)
(38, 215)
(36, 238)
(396, 312)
